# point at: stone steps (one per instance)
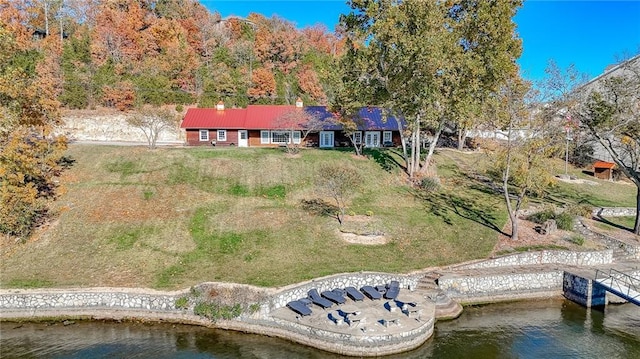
(428, 282)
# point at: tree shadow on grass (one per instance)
(612, 224)
(447, 205)
(320, 207)
(384, 158)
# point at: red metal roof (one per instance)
(265, 117)
(211, 118)
(603, 164)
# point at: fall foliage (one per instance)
(126, 53)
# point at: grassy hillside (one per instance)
(171, 218)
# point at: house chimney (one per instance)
(299, 102)
(220, 106)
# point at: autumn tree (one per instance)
(428, 60)
(152, 122)
(520, 165)
(264, 84)
(310, 85)
(30, 158)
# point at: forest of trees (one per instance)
(126, 53)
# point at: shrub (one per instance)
(542, 216)
(430, 184)
(182, 303)
(564, 221)
(214, 311)
(583, 210)
(147, 194)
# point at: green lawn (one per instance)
(174, 217)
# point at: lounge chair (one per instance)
(354, 294)
(334, 296)
(299, 307)
(371, 292)
(393, 290)
(318, 300)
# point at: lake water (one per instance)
(539, 329)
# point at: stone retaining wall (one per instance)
(505, 286)
(543, 257)
(112, 127)
(614, 212)
(119, 303)
(43, 301)
(353, 345)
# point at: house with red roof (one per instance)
(280, 125)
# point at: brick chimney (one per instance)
(220, 106)
(299, 102)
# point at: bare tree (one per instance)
(337, 181)
(152, 122)
(305, 122)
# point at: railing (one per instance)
(620, 284)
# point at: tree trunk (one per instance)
(432, 149)
(512, 215)
(415, 152)
(404, 143)
(46, 18)
(462, 137)
(636, 226)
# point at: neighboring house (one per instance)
(266, 126)
(628, 68)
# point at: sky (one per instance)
(586, 33)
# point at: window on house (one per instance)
(357, 137)
(204, 135)
(387, 137)
(280, 136)
(264, 137)
(222, 135)
(297, 137)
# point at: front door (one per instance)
(326, 138)
(372, 139)
(243, 138)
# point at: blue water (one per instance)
(539, 329)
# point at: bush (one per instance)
(583, 210)
(214, 311)
(564, 221)
(182, 303)
(542, 216)
(430, 184)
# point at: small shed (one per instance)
(603, 170)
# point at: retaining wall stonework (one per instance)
(497, 287)
(120, 303)
(614, 212)
(111, 127)
(544, 257)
